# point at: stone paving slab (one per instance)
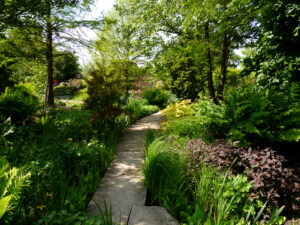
(122, 186)
(121, 192)
(150, 215)
(127, 163)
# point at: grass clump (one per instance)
(178, 178)
(164, 178)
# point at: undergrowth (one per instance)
(196, 192)
(66, 155)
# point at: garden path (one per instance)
(122, 186)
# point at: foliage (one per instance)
(275, 59)
(275, 63)
(66, 156)
(181, 68)
(5, 78)
(52, 18)
(178, 110)
(211, 116)
(82, 218)
(193, 190)
(12, 183)
(257, 116)
(63, 90)
(272, 181)
(116, 46)
(18, 102)
(104, 88)
(68, 218)
(164, 178)
(202, 119)
(69, 88)
(156, 97)
(227, 194)
(139, 108)
(248, 115)
(66, 66)
(22, 49)
(187, 41)
(6, 128)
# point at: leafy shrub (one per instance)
(18, 102)
(211, 117)
(66, 156)
(139, 108)
(217, 194)
(69, 218)
(256, 116)
(194, 191)
(5, 75)
(77, 83)
(66, 66)
(202, 119)
(62, 90)
(272, 182)
(12, 182)
(156, 97)
(68, 88)
(104, 88)
(178, 110)
(189, 126)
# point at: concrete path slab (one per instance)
(150, 215)
(122, 186)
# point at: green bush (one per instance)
(197, 193)
(104, 88)
(66, 66)
(192, 127)
(258, 116)
(139, 108)
(66, 154)
(211, 117)
(62, 90)
(202, 119)
(18, 102)
(68, 88)
(156, 97)
(249, 115)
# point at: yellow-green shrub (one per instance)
(178, 110)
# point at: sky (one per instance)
(100, 7)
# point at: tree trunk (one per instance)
(49, 97)
(224, 64)
(209, 64)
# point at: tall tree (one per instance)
(116, 45)
(217, 26)
(55, 18)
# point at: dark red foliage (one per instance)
(272, 182)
